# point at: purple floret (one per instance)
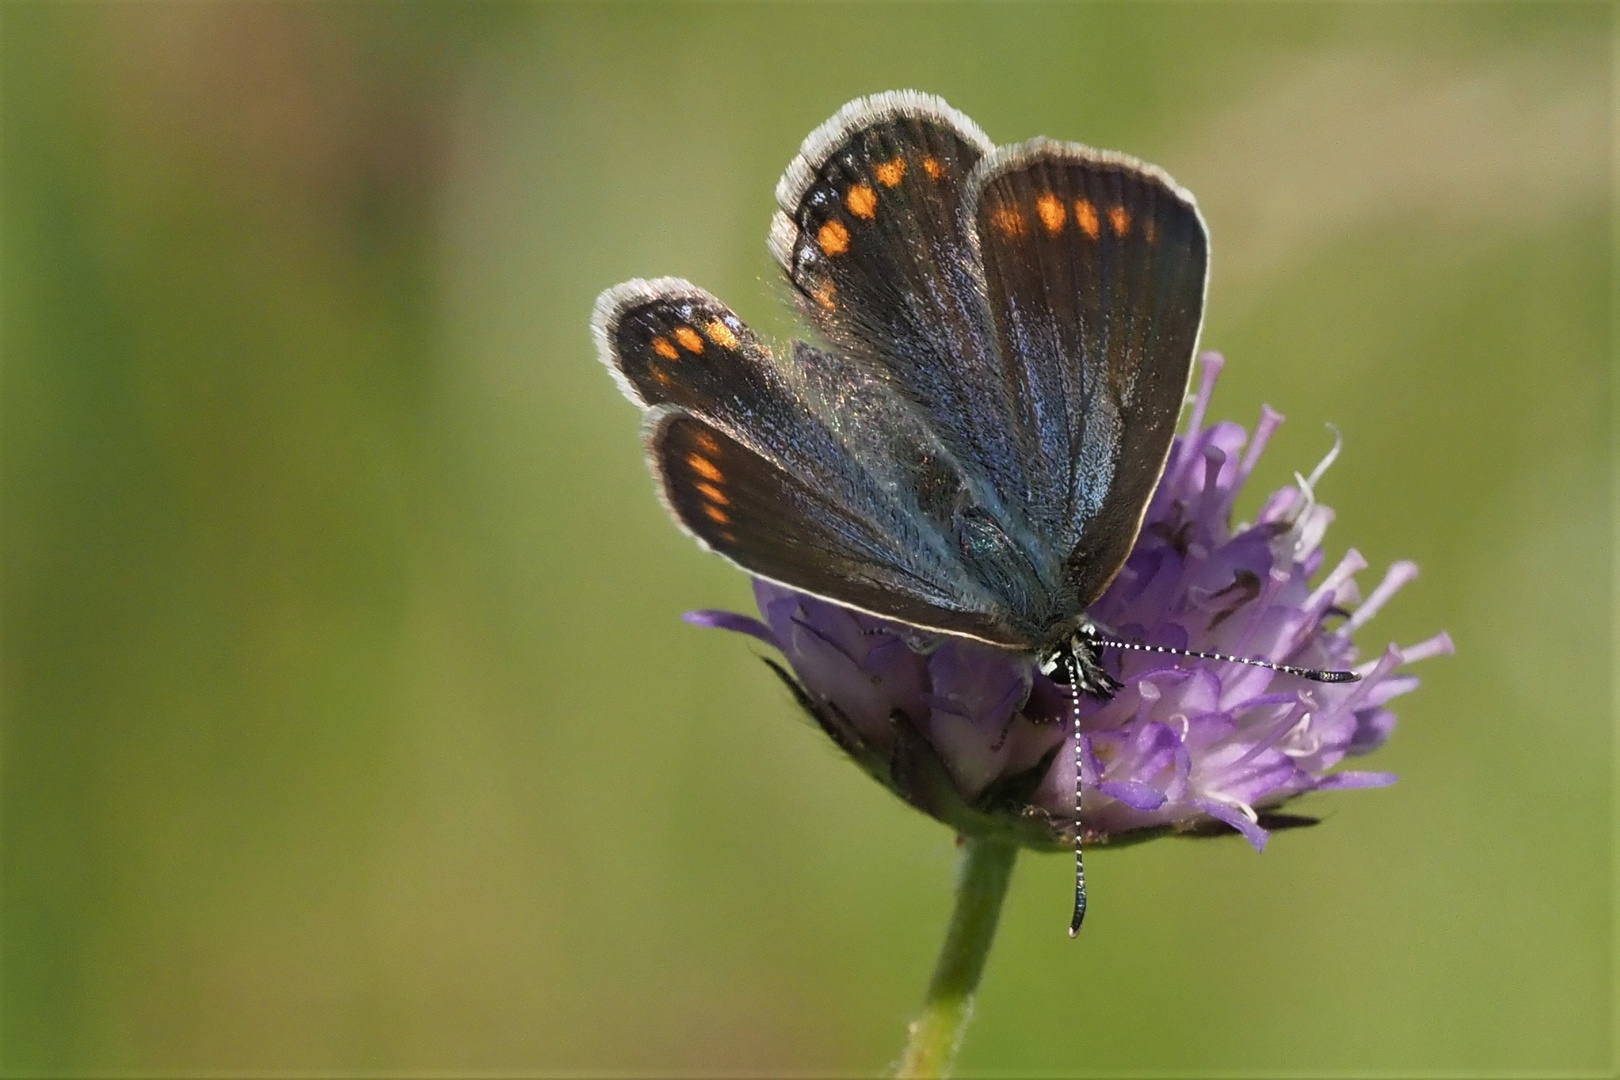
(978, 738)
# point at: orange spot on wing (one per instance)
(933, 168)
(1119, 219)
(689, 339)
(827, 296)
(862, 201)
(717, 515)
(833, 238)
(1050, 207)
(713, 494)
(659, 375)
(891, 172)
(705, 468)
(706, 442)
(1009, 219)
(721, 334)
(1086, 216)
(663, 348)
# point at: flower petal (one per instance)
(1251, 830)
(1133, 793)
(730, 620)
(1347, 780)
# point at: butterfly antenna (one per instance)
(1079, 754)
(1314, 674)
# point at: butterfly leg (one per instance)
(1006, 730)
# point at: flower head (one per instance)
(976, 737)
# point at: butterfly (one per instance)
(1006, 338)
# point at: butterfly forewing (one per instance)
(774, 524)
(1095, 268)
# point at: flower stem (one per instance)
(937, 1032)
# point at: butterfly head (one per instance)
(1076, 662)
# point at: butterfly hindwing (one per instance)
(871, 235)
(1095, 267)
(773, 524)
(669, 342)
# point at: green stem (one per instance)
(936, 1033)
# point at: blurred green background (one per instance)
(349, 723)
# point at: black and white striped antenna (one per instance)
(1322, 675)
(1079, 754)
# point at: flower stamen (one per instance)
(1397, 577)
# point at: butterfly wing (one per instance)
(774, 524)
(791, 469)
(1095, 267)
(872, 238)
(669, 342)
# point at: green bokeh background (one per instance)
(349, 724)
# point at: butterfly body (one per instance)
(1007, 339)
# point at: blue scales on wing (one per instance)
(790, 468)
(1095, 267)
(1007, 340)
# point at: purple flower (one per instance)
(979, 739)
